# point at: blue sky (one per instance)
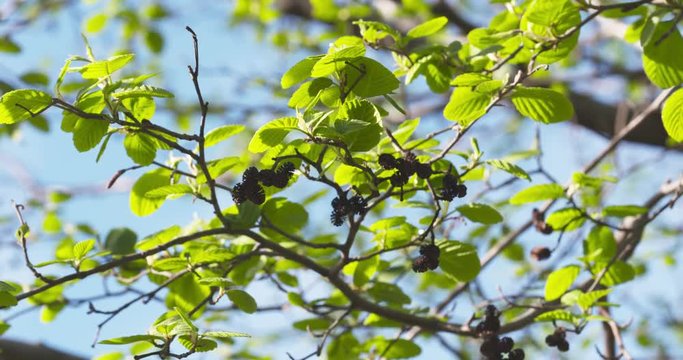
(228, 55)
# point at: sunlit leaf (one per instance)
(18, 105)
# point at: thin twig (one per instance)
(23, 229)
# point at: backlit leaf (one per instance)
(540, 104)
(559, 281)
(18, 105)
(672, 115)
(459, 260)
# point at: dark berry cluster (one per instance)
(253, 180)
(495, 348)
(341, 207)
(539, 222)
(428, 259)
(405, 168)
(490, 324)
(452, 188)
(558, 339)
(540, 253)
(278, 178)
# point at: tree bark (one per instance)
(15, 350)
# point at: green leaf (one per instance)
(371, 78)
(374, 31)
(158, 238)
(3, 327)
(245, 216)
(224, 334)
(379, 321)
(587, 300)
(347, 174)
(7, 287)
(139, 204)
(428, 28)
(35, 78)
(216, 281)
(82, 248)
(546, 20)
(49, 312)
(50, 262)
(344, 346)
(140, 147)
(170, 264)
(336, 60)
(288, 216)
(141, 90)
(365, 270)
(571, 298)
(396, 348)
(403, 133)
(624, 210)
(558, 315)
(387, 223)
(104, 68)
(600, 244)
(394, 104)
(96, 23)
(119, 355)
(222, 133)
(272, 134)
(358, 123)
(537, 193)
(480, 213)
(584, 180)
(469, 79)
(559, 281)
(92, 103)
(198, 345)
(299, 72)
(540, 104)
(185, 318)
(154, 41)
(88, 133)
(662, 61)
(510, 168)
(567, 219)
(219, 167)
(7, 45)
(672, 115)
(309, 93)
(186, 293)
(618, 272)
(484, 39)
(18, 105)
(168, 190)
(295, 299)
(121, 241)
(314, 324)
(51, 223)
(131, 339)
(7, 299)
(465, 105)
(242, 300)
(459, 260)
(142, 107)
(389, 293)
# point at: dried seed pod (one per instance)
(541, 226)
(540, 253)
(506, 344)
(424, 171)
(387, 161)
(516, 354)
